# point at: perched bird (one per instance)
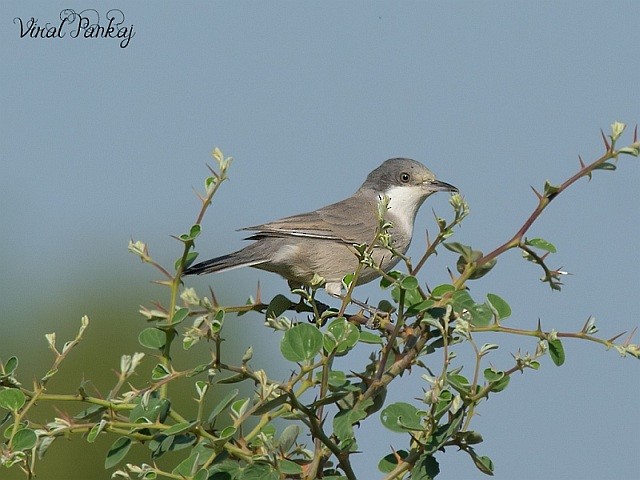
(321, 242)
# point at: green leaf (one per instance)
(179, 316)
(492, 375)
(441, 290)
(228, 432)
(605, 166)
(278, 305)
(409, 283)
(239, 407)
(156, 409)
(343, 422)
(288, 437)
(201, 474)
(179, 428)
(385, 282)
(302, 342)
(501, 307)
(187, 466)
(12, 399)
(222, 405)
(501, 384)
(550, 191)
(259, 471)
(459, 382)
(190, 258)
(287, 467)
(117, 452)
(389, 462)
(542, 244)
(481, 315)
(401, 417)
(271, 405)
(341, 336)
(371, 338)
(24, 439)
(426, 468)
(11, 365)
(482, 463)
(464, 250)
(556, 350)
(159, 372)
(95, 431)
(193, 233)
(152, 338)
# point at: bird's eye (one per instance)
(405, 177)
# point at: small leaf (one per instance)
(441, 290)
(190, 258)
(117, 452)
(401, 417)
(24, 439)
(372, 338)
(483, 463)
(302, 342)
(556, 350)
(159, 372)
(502, 308)
(341, 336)
(278, 305)
(492, 375)
(152, 338)
(409, 283)
(239, 407)
(550, 191)
(270, 405)
(288, 437)
(541, 244)
(179, 428)
(456, 247)
(287, 467)
(11, 365)
(426, 468)
(222, 405)
(389, 462)
(12, 399)
(605, 166)
(228, 432)
(259, 471)
(95, 431)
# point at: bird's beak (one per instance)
(442, 186)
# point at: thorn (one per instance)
(582, 165)
(426, 232)
(536, 192)
(213, 172)
(604, 139)
(614, 338)
(159, 306)
(635, 134)
(450, 274)
(628, 340)
(543, 257)
(539, 326)
(258, 294)
(214, 300)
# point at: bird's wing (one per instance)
(349, 221)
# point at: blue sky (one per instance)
(101, 144)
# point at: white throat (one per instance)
(404, 202)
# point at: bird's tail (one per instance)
(226, 262)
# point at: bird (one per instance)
(321, 244)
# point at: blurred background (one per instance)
(102, 144)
